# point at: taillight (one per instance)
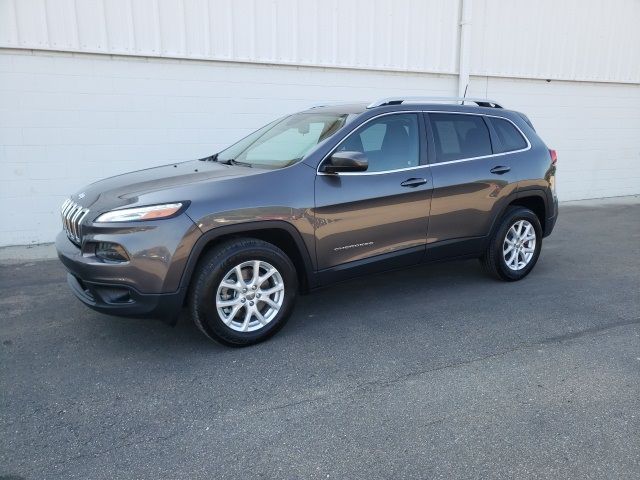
(554, 156)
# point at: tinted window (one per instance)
(389, 142)
(509, 136)
(460, 136)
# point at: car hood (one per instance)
(146, 186)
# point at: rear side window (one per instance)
(459, 136)
(509, 136)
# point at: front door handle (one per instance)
(500, 170)
(414, 182)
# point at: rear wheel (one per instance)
(515, 245)
(243, 293)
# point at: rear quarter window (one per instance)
(459, 136)
(509, 136)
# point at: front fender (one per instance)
(247, 229)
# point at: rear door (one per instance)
(384, 210)
(472, 178)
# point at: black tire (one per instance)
(211, 271)
(493, 260)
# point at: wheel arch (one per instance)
(533, 199)
(279, 233)
(534, 202)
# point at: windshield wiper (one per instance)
(233, 161)
(229, 161)
(210, 158)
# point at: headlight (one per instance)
(152, 212)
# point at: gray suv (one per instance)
(316, 197)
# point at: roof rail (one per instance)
(481, 102)
(330, 104)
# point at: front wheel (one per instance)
(515, 245)
(243, 292)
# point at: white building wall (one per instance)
(595, 128)
(589, 40)
(93, 88)
(67, 120)
(418, 35)
(594, 40)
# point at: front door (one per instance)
(384, 210)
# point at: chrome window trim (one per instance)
(376, 173)
(467, 159)
(430, 164)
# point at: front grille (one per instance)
(72, 216)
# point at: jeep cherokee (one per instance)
(312, 198)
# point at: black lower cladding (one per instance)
(125, 301)
(550, 222)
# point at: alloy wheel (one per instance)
(250, 296)
(519, 245)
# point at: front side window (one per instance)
(390, 142)
(285, 141)
(459, 136)
(509, 136)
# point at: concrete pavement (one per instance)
(431, 372)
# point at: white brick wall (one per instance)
(70, 119)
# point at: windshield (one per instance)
(285, 141)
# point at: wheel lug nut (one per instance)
(257, 295)
(242, 300)
(251, 303)
(253, 287)
(244, 290)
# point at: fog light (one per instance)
(111, 252)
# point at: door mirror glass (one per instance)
(346, 162)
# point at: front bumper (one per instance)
(122, 300)
(148, 285)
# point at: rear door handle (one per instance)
(500, 169)
(414, 182)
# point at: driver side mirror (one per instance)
(345, 162)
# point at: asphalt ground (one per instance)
(432, 372)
